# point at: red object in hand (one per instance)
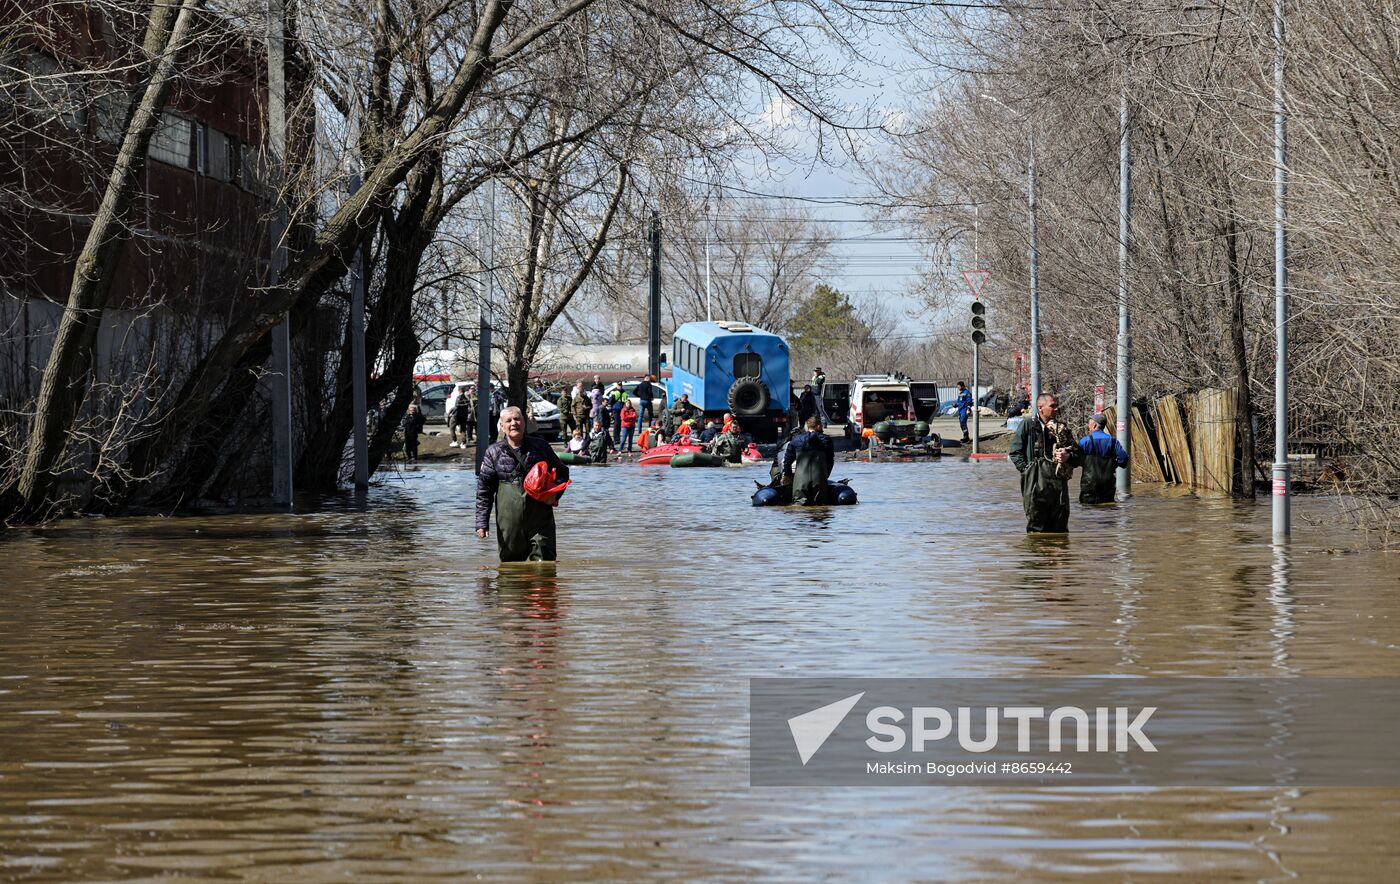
(542, 484)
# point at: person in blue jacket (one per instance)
(1102, 456)
(964, 404)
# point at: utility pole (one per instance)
(359, 273)
(654, 308)
(1125, 207)
(483, 334)
(1281, 515)
(1031, 201)
(709, 315)
(979, 337)
(281, 375)
(1035, 275)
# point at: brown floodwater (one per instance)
(364, 692)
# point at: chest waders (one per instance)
(1097, 480)
(524, 526)
(809, 475)
(1044, 494)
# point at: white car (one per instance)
(658, 395)
(543, 419)
(879, 397)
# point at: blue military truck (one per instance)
(733, 367)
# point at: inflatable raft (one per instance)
(662, 454)
(837, 493)
(697, 459)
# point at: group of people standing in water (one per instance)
(1043, 450)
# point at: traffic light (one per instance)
(979, 322)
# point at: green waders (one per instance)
(809, 475)
(1098, 481)
(524, 526)
(1046, 498)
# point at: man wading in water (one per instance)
(1046, 453)
(524, 526)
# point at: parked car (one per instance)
(543, 419)
(879, 397)
(658, 398)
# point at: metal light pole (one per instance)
(483, 334)
(1035, 276)
(654, 302)
(1281, 525)
(979, 337)
(709, 316)
(281, 375)
(1031, 201)
(1125, 207)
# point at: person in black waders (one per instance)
(810, 457)
(1046, 454)
(1103, 457)
(524, 526)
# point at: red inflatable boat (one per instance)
(662, 454)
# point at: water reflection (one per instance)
(365, 691)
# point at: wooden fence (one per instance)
(1185, 440)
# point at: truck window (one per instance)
(748, 365)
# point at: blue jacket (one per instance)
(1100, 444)
(964, 402)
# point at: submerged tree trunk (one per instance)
(1244, 408)
(67, 374)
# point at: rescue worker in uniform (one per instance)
(809, 460)
(1102, 456)
(1044, 493)
(566, 412)
(964, 404)
(524, 526)
(582, 406)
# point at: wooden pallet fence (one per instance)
(1212, 416)
(1173, 440)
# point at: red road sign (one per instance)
(976, 280)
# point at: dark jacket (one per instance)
(599, 444)
(643, 392)
(806, 405)
(413, 423)
(813, 441)
(499, 465)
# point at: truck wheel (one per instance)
(748, 397)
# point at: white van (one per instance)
(879, 397)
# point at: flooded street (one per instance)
(367, 693)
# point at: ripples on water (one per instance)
(366, 693)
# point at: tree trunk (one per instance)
(1244, 409)
(67, 373)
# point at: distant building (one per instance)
(199, 241)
